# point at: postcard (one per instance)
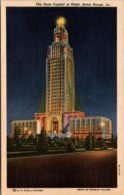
(62, 97)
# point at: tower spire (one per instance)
(60, 32)
(60, 21)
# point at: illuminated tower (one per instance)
(61, 116)
(60, 82)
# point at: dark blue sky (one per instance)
(92, 35)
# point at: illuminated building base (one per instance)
(57, 124)
(69, 124)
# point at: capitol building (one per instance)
(61, 117)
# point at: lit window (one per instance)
(83, 121)
(87, 121)
(93, 121)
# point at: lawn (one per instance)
(81, 169)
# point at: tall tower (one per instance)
(60, 82)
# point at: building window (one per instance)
(83, 125)
(92, 125)
(87, 121)
(96, 122)
(87, 125)
(93, 121)
(78, 125)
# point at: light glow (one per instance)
(38, 127)
(29, 132)
(61, 21)
(25, 128)
(102, 124)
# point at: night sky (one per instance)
(92, 35)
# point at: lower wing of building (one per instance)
(77, 124)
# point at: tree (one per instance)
(42, 143)
(83, 143)
(9, 143)
(64, 144)
(112, 141)
(16, 137)
(71, 146)
(105, 146)
(30, 139)
(74, 140)
(94, 141)
(102, 143)
(115, 142)
(89, 142)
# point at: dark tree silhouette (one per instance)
(71, 146)
(89, 142)
(102, 143)
(16, 137)
(42, 142)
(94, 141)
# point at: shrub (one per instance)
(42, 143)
(71, 146)
(89, 142)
